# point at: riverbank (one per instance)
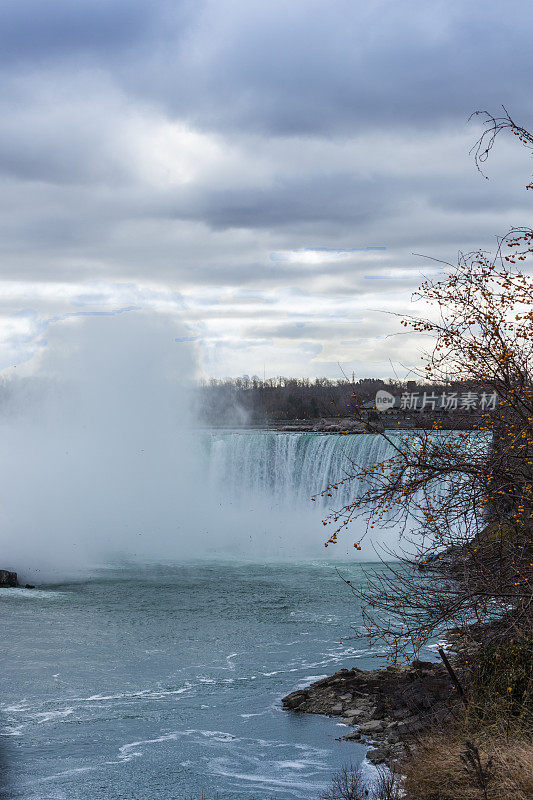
(383, 707)
(379, 423)
(444, 737)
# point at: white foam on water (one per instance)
(292, 764)
(131, 750)
(224, 769)
(436, 645)
(35, 715)
(12, 730)
(229, 660)
(257, 714)
(53, 716)
(217, 736)
(341, 656)
(127, 751)
(65, 773)
(16, 708)
(309, 616)
(149, 694)
(31, 594)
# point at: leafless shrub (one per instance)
(481, 774)
(347, 784)
(387, 785)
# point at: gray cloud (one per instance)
(309, 67)
(32, 32)
(178, 145)
(327, 67)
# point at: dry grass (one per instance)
(486, 751)
(452, 766)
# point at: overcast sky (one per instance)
(265, 169)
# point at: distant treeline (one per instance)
(241, 401)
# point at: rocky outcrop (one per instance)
(385, 706)
(326, 426)
(8, 579)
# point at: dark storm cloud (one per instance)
(33, 31)
(309, 66)
(330, 68)
(335, 198)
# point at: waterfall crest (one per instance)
(291, 467)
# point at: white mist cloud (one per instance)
(102, 462)
(96, 435)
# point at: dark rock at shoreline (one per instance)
(323, 426)
(8, 579)
(386, 706)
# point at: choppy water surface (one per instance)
(166, 682)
